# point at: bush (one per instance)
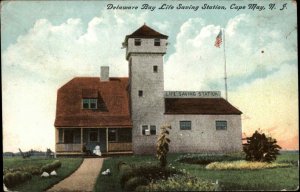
(125, 177)
(181, 183)
(13, 179)
(30, 169)
(259, 147)
(153, 172)
(119, 164)
(51, 166)
(141, 188)
(34, 171)
(244, 165)
(162, 147)
(134, 182)
(126, 172)
(204, 159)
(150, 172)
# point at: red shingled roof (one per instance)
(205, 106)
(146, 32)
(113, 102)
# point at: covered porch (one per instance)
(72, 141)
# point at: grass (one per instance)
(262, 179)
(69, 165)
(242, 164)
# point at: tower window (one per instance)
(155, 69)
(140, 93)
(156, 42)
(137, 42)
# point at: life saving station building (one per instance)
(124, 114)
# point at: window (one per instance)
(124, 135)
(68, 136)
(156, 42)
(112, 135)
(85, 103)
(146, 130)
(185, 125)
(93, 103)
(152, 130)
(137, 42)
(77, 136)
(93, 135)
(221, 125)
(60, 135)
(140, 93)
(89, 103)
(155, 69)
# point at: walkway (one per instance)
(83, 179)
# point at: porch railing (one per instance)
(61, 147)
(119, 147)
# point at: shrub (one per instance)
(119, 164)
(204, 159)
(244, 165)
(134, 182)
(13, 179)
(125, 177)
(34, 171)
(259, 147)
(51, 166)
(141, 188)
(154, 172)
(162, 148)
(126, 172)
(182, 183)
(149, 172)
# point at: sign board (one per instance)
(192, 94)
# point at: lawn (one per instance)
(69, 165)
(264, 179)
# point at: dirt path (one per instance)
(83, 179)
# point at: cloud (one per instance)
(248, 50)
(271, 104)
(47, 57)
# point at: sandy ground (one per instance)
(83, 179)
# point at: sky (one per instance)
(44, 44)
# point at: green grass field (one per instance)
(264, 179)
(36, 184)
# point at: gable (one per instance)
(112, 103)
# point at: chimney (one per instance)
(104, 73)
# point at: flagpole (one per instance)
(225, 73)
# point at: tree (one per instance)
(163, 145)
(259, 147)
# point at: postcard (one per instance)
(193, 94)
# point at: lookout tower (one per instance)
(145, 49)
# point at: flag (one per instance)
(219, 39)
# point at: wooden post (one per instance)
(63, 135)
(106, 140)
(81, 138)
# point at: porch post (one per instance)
(63, 135)
(81, 138)
(107, 140)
